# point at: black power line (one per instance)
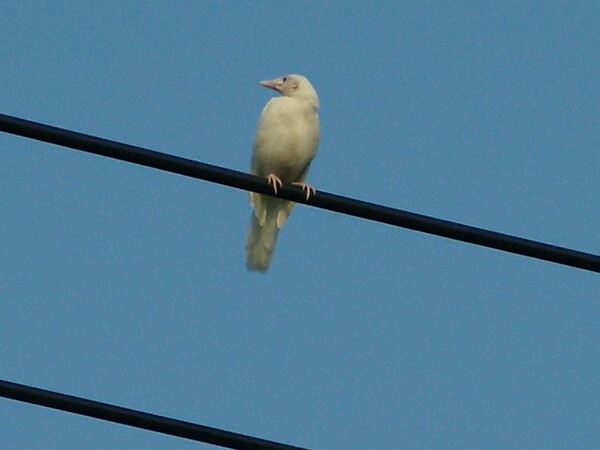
(345, 205)
(136, 419)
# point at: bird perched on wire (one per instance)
(285, 144)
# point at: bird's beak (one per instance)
(271, 84)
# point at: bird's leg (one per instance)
(274, 181)
(306, 188)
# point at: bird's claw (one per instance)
(275, 182)
(307, 189)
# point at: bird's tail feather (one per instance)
(260, 243)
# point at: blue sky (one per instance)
(127, 285)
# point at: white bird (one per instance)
(285, 144)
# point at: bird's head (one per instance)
(293, 86)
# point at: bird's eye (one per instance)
(284, 79)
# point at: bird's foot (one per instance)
(307, 189)
(275, 182)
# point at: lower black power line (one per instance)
(137, 419)
(344, 205)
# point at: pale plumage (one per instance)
(285, 144)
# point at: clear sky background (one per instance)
(127, 285)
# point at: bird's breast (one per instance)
(286, 139)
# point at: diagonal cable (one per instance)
(138, 419)
(332, 202)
